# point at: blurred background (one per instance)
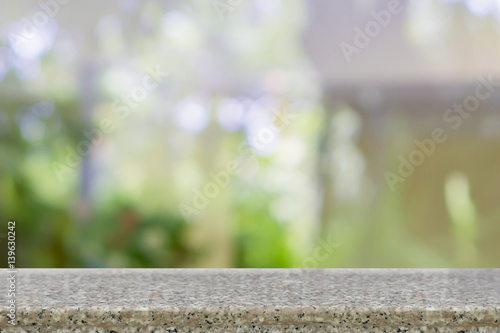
(239, 133)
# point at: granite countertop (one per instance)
(254, 300)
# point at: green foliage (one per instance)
(121, 236)
(261, 241)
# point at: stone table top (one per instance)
(253, 300)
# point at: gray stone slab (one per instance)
(249, 300)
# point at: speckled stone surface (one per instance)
(222, 300)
